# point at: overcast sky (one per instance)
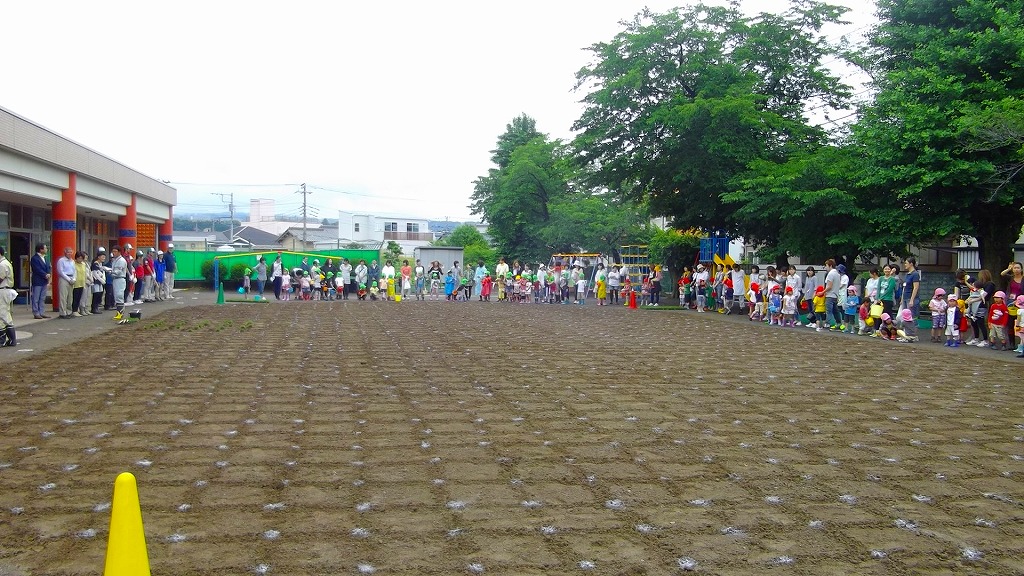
(392, 105)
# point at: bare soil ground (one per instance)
(436, 438)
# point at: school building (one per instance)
(60, 193)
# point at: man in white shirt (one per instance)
(66, 282)
(739, 286)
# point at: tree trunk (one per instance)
(998, 232)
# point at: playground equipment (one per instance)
(638, 265)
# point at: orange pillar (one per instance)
(65, 231)
(165, 234)
(126, 229)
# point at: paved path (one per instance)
(38, 336)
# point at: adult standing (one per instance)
(1014, 277)
(614, 278)
(832, 279)
(348, 287)
(887, 290)
(81, 281)
(794, 282)
(40, 279)
(277, 273)
(98, 274)
(871, 286)
(501, 270)
(170, 269)
(739, 286)
(7, 295)
(261, 275)
(149, 277)
(478, 278)
(119, 274)
(362, 275)
(373, 272)
(810, 281)
(66, 283)
(129, 280)
(656, 278)
(456, 272)
(419, 273)
(911, 300)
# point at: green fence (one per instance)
(190, 262)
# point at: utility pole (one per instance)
(304, 194)
(231, 210)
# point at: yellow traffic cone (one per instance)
(126, 544)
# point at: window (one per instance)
(355, 227)
(391, 226)
(412, 227)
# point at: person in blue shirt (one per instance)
(449, 286)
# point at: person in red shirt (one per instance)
(998, 317)
(485, 288)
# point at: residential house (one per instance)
(409, 233)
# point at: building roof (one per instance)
(255, 236)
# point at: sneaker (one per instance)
(810, 325)
(842, 327)
(973, 342)
(956, 344)
(817, 329)
(982, 344)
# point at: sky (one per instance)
(387, 107)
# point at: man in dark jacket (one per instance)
(40, 280)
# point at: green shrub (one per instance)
(238, 270)
(206, 269)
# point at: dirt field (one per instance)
(436, 438)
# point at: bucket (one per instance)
(398, 297)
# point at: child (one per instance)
(702, 302)
(314, 284)
(727, 296)
(500, 284)
(998, 318)
(406, 283)
(1020, 325)
(789, 303)
(645, 291)
(361, 293)
(391, 288)
(374, 291)
(850, 309)
(485, 288)
(908, 328)
(450, 287)
(602, 290)
(339, 286)
(938, 307)
(627, 289)
(246, 282)
(465, 290)
(286, 286)
(863, 314)
(952, 318)
(328, 287)
(685, 288)
(775, 306)
(383, 288)
(819, 308)
(755, 303)
(886, 328)
(581, 290)
(435, 283)
(305, 285)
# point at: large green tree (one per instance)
(681, 104)
(534, 205)
(950, 76)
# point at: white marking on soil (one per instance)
(531, 504)
(773, 499)
(69, 467)
(548, 530)
(905, 524)
(273, 507)
(102, 507)
(365, 568)
(271, 534)
(644, 528)
(586, 565)
(686, 564)
(176, 537)
(47, 487)
(984, 523)
(475, 568)
(364, 506)
(782, 561)
(879, 554)
(184, 507)
(456, 505)
(615, 504)
(971, 554)
(848, 499)
(360, 533)
(922, 498)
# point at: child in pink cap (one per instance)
(1019, 327)
(998, 318)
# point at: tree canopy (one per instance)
(938, 137)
